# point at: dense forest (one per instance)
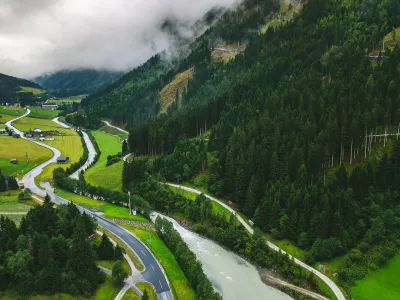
(49, 252)
(291, 139)
(10, 90)
(76, 82)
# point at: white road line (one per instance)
(143, 252)
(152, 267)
(160, 283)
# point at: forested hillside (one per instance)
(76, 82)
(291, 125)
(11, 91)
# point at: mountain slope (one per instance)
(76, 82)
(14, 89)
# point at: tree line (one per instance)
(49, 253)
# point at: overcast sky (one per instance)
(40, 36)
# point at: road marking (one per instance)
(152, 267)
(143, 252)
(160, 283)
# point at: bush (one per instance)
(118, 274)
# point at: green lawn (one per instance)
(28, 155)
(12, 110)
(42, 113)
(150, 290)
(177, 279)
(4, 119)
(99, 174)
(110, 210)
(110, 263)
(131, 295)
(382, 284)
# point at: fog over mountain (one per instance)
(41, 36)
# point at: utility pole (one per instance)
(129, 201)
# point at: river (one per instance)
(231, 275)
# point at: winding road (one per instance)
(335, 289)
(153, 272)
(115, 127)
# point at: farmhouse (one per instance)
(14, 161)
(63, 160)
(33, 134)
(16, 135)
(120, 154)
(37, 130)
(3, 131)
(50, 106)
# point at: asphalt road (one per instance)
(152, 273)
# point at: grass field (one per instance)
(99, 174)
(131, 295)
(150, 290)
(26, 89)
(42, 113)
(72, 99)
(9, 202)
(179, 83)
(12, 111)
(382, 284)
(18, 148)
(177, 279)
(69, 145)
(4, 119)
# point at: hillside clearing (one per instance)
(392, 38)
(178, 84)
(26, 89)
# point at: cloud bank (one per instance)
(41, 36)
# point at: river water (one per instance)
(232, 276)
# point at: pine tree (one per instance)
(105, 251)
(3, 185)
(145, 295)
(125, 148)
(118, 274)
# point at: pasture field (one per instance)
(76, 99)
(131, 295)
(177, 279)
(12, 111)
(99, 174)
(178, 84)
(113, 131)
(42, 113)
(382, 284)
(150, 290)
(27, 89)
(69, 145)
(4, 119)
(27, 154)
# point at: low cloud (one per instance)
(41, 36)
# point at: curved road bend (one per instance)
(152, 273)
(335, 289)
(115, 127)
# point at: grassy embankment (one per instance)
(69, 145)
(150, 290)
(99, 174)
(42, 113)
(179, 83)
(113, 131)
(131, 295)
(27, 154)
(179, 283)
(177, 279)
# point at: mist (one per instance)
(44, 36)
